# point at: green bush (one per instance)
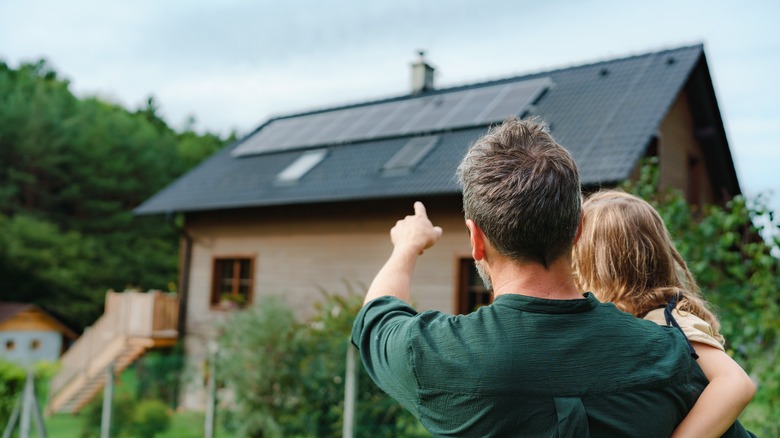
(159, 375)
(122, 409)
(12, 379)
(129, 418)
(150, 418)
(288, 376)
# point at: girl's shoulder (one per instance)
(694, 328)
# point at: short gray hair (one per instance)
(523, 190)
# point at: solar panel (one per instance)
(437, 109)
(478, 99)
(414, 115)
(366, 121)
(311, 129)
(517, 97)
(406, 112)
(346, 119)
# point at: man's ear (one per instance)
(477, 239)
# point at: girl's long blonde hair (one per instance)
(626, 256)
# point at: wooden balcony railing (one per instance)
(150, 317)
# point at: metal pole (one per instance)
(27, 405)
(211, 405)
(108, 395)
(39, 425)
(12, 421)
(350, 393)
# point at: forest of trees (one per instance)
(71, 171)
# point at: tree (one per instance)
(73, 169)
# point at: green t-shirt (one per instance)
(526, 366)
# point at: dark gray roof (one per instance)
(605, 114)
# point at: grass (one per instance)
(63, 426)
(183, 425)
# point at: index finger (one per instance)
(419, 209)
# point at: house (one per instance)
(306, 200)
(29, 335)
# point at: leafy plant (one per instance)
(288, 376)
(12, 378)
(160, 373)
(122, 409)
(150, 418)
(12, 381)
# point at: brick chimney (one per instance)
(422, 75)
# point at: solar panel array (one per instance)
(423, 114)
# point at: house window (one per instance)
(232, 282)
(35, 344)
(10, 345)
(472, 293)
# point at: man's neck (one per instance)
(533, 280)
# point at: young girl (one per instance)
(625, 256)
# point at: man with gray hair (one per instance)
(543, 359)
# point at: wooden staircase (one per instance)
(133, 323)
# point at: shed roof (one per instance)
(9, 310)
(605, 114)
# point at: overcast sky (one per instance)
(233, 63)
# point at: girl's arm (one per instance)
(723, 399)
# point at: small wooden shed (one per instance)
(28, 334)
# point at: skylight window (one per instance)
(412, 153)
(300, 167)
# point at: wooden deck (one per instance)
(133, 322)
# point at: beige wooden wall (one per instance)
(676, 144)
(296, 254)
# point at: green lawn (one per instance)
(183, 425)
(63, 426)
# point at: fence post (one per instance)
(211, 404)
(9, 428)
(108, 395)
(28, 404)
(350, 393)
(28, 398)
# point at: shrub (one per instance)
(12, 379)
(121, 415)
(150, 418)
(159, 375)
(288, 376)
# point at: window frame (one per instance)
(215, 294)
(464, 269)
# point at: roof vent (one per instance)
(422, 74)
